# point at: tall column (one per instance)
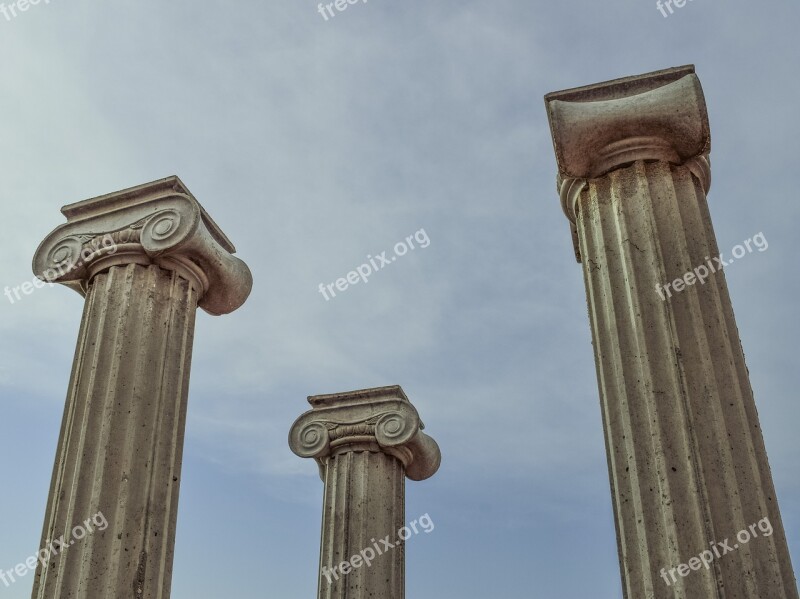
(686, 456)
(365, 442)
(144, 258)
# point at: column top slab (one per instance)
(138, 195)
(362, 396)
(655, 116)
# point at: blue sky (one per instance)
(315, 143)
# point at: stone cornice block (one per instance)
(159, 223)
(381, 418)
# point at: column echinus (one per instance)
(144, 258)
(694, 502)
(366, 443)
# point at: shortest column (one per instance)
(365, 442)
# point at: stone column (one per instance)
(144, 258)
(686, 456)
(365, 442)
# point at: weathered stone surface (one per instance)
(365, 442)
(121, 440)
(687, 461)
(158, 223)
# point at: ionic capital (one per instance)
(379, 419)
(158, 223)
(602, 127)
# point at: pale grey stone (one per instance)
(366, 442)
(121, 440)
(159, 223)
(686, 456)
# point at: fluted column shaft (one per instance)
(364, 502)
(122, 437)
(365, 442)
(686, 454)
(144, 258)
(687, 461)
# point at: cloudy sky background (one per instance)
(314, 144)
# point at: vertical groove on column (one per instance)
(167, 453)
(357, 535)
(704, 388)
(335, 524)
(687, 463)
(673, 467)
(119, 451)
(363, 504)
(325, 540)
(691, 520)
(636, 383)
(735, 408)
(613, 377)
(61, 468)
(344, 513)
(589, 240)
(399, 519)
(114, 425)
